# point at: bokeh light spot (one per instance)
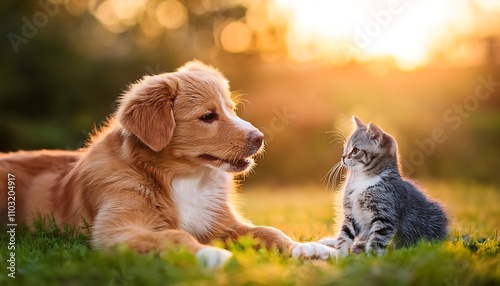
(235, 37)
(171, 14)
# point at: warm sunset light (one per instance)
(408, 34)
(337, 31)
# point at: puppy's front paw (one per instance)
(313, 250)
(213, 257)
(329, 241)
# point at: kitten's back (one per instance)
(423, 216)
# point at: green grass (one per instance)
(470, 256)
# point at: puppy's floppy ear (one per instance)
(146, 110)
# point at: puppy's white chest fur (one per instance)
(199, 199)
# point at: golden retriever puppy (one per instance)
(159, 176)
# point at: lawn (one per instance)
(470, 256)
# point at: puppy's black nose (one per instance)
(255, 138)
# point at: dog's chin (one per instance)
(231, 166)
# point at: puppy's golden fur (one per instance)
(158, 176)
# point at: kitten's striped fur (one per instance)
(379, 205)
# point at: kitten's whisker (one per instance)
(337, 174)
(338, 137)
(341, 133)
(337, 141)
(327, 177)
(331, 176)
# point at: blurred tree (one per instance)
(64, 63)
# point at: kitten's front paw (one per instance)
(374, 250)
(329, 241)
(358, 247)
(213, 257)
(313, 250)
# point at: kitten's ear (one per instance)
(375, 133)
(146, 110)
(357, 123)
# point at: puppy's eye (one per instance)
(209, 117)
(355, 151)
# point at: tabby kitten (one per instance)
(379, 205)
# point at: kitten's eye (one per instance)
(355, 151)
(209, 117)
